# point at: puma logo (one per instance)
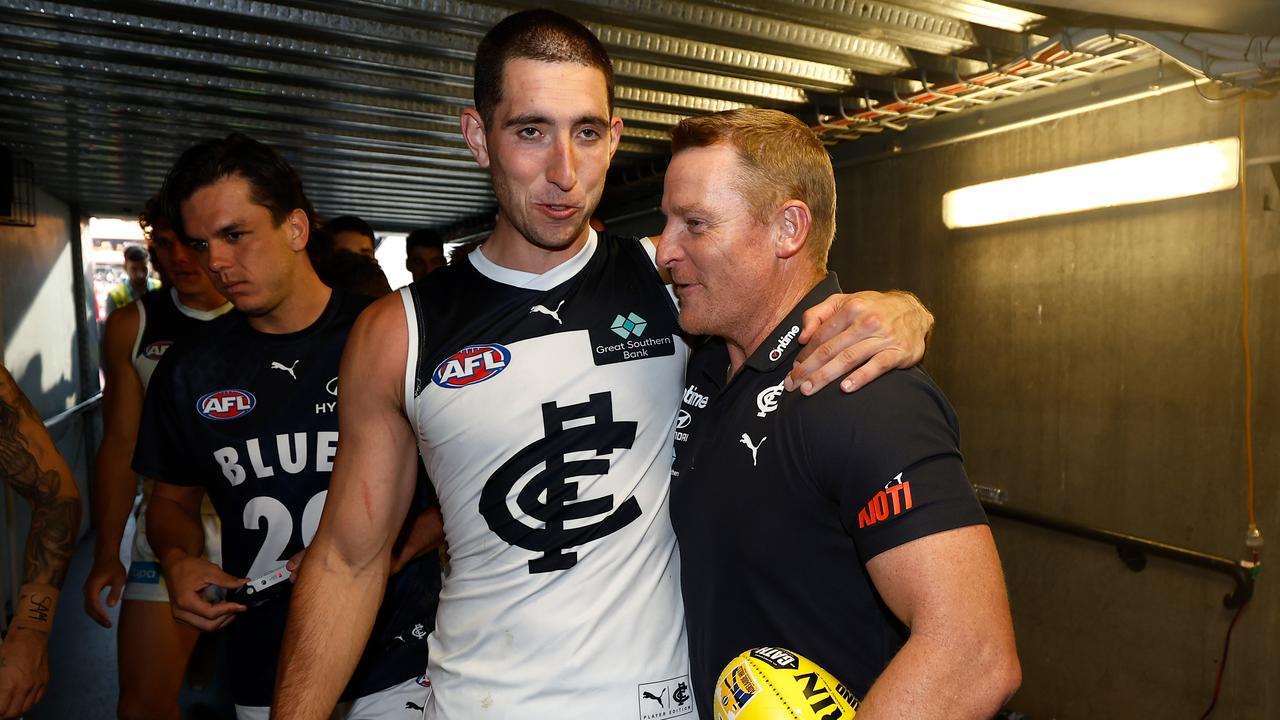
(289, 369)
(410, 705)
(650, 696)
(553, 313)
(746, 440)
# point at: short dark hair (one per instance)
(133, 253)
(544, 35)
(152, 217)
(273, 183)
(353, 272)
(344, 223)
(425, 238)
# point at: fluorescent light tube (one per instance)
(1158, 175)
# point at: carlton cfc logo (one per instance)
(156, 350)
(225, 404)
(471, 365)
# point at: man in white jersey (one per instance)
(539, 379)
(152, 647)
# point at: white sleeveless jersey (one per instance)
(544, 407)
(162, 321)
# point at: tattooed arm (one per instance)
(33, 468)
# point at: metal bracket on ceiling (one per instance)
(1064, 39)
(817, 114)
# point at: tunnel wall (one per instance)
(38, 343)
(1096, 364)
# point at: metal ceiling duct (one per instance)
(363, 96)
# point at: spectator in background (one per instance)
(423, 252)
(137, 283)
(349, 233)
(32, 467)
(358, 274)
(346, 267)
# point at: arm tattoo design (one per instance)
(54, 520)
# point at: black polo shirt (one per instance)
(779, 500)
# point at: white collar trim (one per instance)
(204, 315)
(535, 281)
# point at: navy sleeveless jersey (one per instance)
(253, 417)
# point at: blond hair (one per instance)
(781, 160)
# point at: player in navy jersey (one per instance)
(152, 648)
(539, 378)
(248, 414)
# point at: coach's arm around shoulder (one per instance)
(960, 660)
(344, 573)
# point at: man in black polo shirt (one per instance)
(841, 527)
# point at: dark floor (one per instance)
(82, 657)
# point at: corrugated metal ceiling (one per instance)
(363, 96)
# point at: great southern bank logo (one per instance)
(226, 404)
(627, 326)
(470, 365)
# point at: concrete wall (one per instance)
(1095, 362)
(38, 345)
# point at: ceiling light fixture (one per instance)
(1158, 175)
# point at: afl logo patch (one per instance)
(226, 404)
(470, 365)
(156, 350)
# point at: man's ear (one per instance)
(792, 226)
(473, 133)
(299, 228)
(615, 134)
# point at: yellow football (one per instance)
(770, 683)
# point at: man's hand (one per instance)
(295, 564)
(24, 671)
(107, 572)
(188, 576)
(867, 332)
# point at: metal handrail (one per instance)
(1133, 549)
(90, 404)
